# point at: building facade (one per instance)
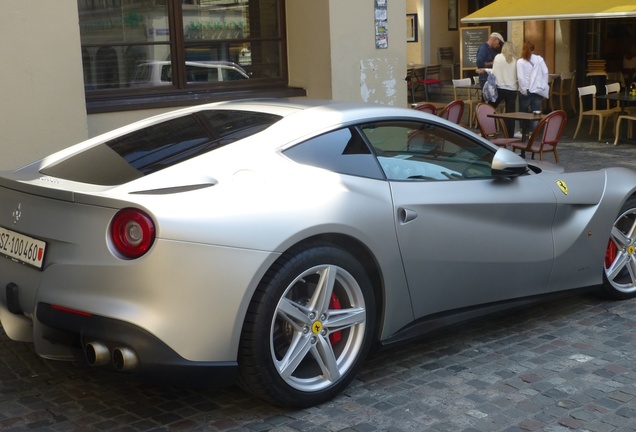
(72, 67)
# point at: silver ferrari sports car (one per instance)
(273, 243)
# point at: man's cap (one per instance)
(497, 36)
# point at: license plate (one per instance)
(21, 248)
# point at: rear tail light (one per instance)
(132, 233)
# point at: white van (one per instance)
(158, 73)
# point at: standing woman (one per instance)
(532, 74)
(504, 68)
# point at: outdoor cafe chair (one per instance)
(628, 118)
(564, 87)
(410, 85)
(489, 127)
(446, 58)
(462, 90)
(426, 107)
(603, 115)
(610, 89)
(431, 78)
(453, 112)
(545, 137)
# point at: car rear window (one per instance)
(159, 146)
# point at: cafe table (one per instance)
(524, 117)
(622, 98)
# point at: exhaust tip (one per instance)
(124, 359)
(96, 354)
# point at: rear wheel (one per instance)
(620, 257)
(308, 328)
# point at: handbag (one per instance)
(489, 92)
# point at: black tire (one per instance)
(318, 303)
(619, 275)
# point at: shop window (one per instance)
(146, 51)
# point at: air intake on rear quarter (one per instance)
(173, 190)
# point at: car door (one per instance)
(466, 237)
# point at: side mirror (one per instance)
(508, 164)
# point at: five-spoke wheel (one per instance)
(620, 256)
(309, 327)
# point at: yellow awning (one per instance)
(516, 10)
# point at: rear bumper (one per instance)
(156, 361)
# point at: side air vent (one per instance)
(173, 190)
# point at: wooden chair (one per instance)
(629, 119)
(410, 85)
(477, 93)
(490, 128)
(431, 77)
(462, 90)
(603, 115)
(546, 136)
(453, 112)
(446, 58)
(613, 105)
(564, 87)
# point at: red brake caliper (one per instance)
(610, 254)
(334, 303)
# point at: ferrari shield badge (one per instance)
(564, 187)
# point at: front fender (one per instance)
(587, 206)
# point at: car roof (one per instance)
(300, 116)
(314, 114)
(201, 63)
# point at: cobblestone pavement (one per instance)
(559, 366)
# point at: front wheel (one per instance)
(619, 278)
(308, 328)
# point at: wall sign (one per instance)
(381, 25)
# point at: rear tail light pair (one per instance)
(132, 233)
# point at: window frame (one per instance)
(183, 94)
(358, 161)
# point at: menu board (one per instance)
(471, 38)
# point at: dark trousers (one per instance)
(510, 99)
(529, 103)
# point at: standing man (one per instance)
(486, 55)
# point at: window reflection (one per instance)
(130, 43)
(119, 35)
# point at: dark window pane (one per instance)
(342, 151)
(156, 147)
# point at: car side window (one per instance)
(166, 73)
(411, 151)
(231, 75)
(342, 151)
